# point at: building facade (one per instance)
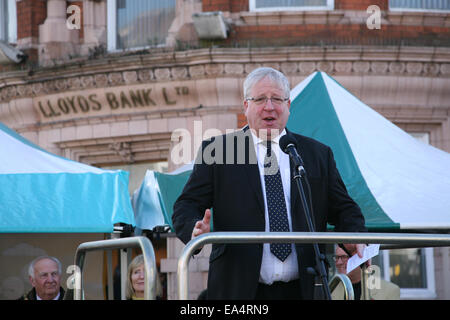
(108, 82)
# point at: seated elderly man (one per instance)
(45, 277)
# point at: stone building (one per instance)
(106, 82)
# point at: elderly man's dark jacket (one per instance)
(231, 186)
(31, 295)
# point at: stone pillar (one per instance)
(56, 41)
(94, 27)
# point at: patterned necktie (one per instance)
(276, 204)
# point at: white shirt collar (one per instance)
(55, 298)
(257, 140)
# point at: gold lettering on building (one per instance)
(112, 100)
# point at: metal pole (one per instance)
(131, 242)
(123, 254)
(349, 293)
(298, 237)
(110, 275)
(364, 287)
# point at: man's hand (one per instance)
(358, 249)
(355, 248)
(202, 226)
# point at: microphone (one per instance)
(288, 146)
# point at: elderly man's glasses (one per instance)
(343, 258)
(276, 101)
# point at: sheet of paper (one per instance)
(369, 252)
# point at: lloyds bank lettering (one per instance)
(110, 101)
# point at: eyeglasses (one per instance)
(343, 258)
(276, 101)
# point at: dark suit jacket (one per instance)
(234, 193)
(31, 295)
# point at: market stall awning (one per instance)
(42, 192)
(398, 181)
(153, 201)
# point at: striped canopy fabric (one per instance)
(154, 200)
(44, 193)
(398, 181)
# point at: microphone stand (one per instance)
(320, 269)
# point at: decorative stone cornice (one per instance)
(333, 17)
(224, 62)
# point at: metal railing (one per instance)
(349, 294)
(405, 239)
(132, 242)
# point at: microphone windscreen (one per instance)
(286, 140)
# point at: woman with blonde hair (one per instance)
(136, 280)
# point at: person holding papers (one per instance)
(378, 289)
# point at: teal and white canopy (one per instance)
(45, 193)
(153, 201)
(399, 182)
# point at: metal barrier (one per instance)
(298, 237)
(349, 294)
(131, 242)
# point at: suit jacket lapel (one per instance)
(297, 212)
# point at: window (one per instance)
(419, 5)
(8, 21)
(421, 136)
(411, 269)
(139, 23)
(283, 5)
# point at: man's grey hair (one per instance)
(33, 263)
(263, 72)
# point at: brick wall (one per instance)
(352, 34)
(225, 5)
(243, 5)
(359, 4)
(30, 14)
(216, 5)
(346, 25)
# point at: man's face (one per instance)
(341, 260)
(341, 266)
(267, 116)
(46, 279)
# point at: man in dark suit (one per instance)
(247, 183)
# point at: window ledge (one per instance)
(292, 17)
(415, 18)
(414, 294)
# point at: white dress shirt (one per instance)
(273, 269)
(55, 298)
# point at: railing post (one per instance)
(131, 242)
(349, 293)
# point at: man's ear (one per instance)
(33, 283)
(245, 106)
